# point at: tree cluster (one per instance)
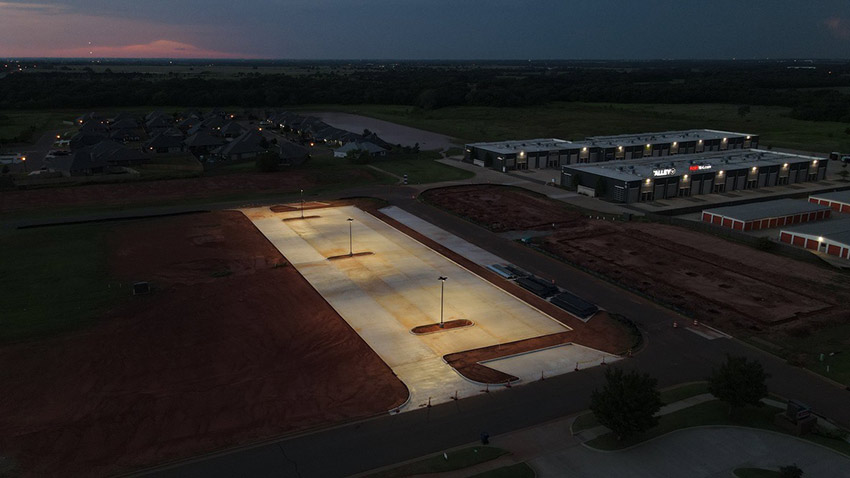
(812, 94)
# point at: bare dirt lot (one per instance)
(733, 286)
(231, 347)
(151, 192)
(501, 208)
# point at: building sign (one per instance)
(664, 172)
(700, 167)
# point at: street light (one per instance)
(442, 280)
(24, 160)
(350, 249)
(302, 204)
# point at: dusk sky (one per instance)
(426, 29)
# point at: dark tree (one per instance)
(790, 471)
(739, 382)
(628, 402)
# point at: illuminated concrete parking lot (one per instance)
(384, 295)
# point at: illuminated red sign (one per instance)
(699, 167)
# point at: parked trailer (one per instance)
(502, 271)
(516, 271)
(575, 305)
(538, 286)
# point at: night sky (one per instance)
(426, 29)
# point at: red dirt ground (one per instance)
(200, 364)
(168, 190)
(501, 209)
(447, 325)
(719, 282)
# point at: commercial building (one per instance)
(636, 146)
(692, 174)
(543, 153)
(839, 201)
(522, 154)
(830, 237)
(765, 215)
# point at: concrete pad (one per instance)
(456, 244)
(384, 295)
(550, 361)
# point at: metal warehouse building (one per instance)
(692, 174)
(764, 215)
(554, 153)
(636, 146)
(839, 201)
(831, 237)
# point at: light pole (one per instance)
(24, 160)
(442, 280)
(302, 204)
(350, 248)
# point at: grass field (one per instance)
(575, 121)
(54, 280)
(714, 412)
(421, 168)
(457, 460)
(833, 339)
(26, 126)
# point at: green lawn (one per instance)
(576, 121)
(681, 392)
(54, 280)
(27, 126)
(714, 412)
(421, 168)
(668, 396)
(806, 351)
(520, 470)
(457, 460)
(755, 473)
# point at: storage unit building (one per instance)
(830, 237)
(765, 215)
(554, 153)
(839, 201)
(691, 174)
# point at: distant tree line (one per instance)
(812, 94)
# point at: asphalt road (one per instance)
(671, 355)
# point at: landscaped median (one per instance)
(706, 412)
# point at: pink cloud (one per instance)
(154, 49)
(839, 27)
